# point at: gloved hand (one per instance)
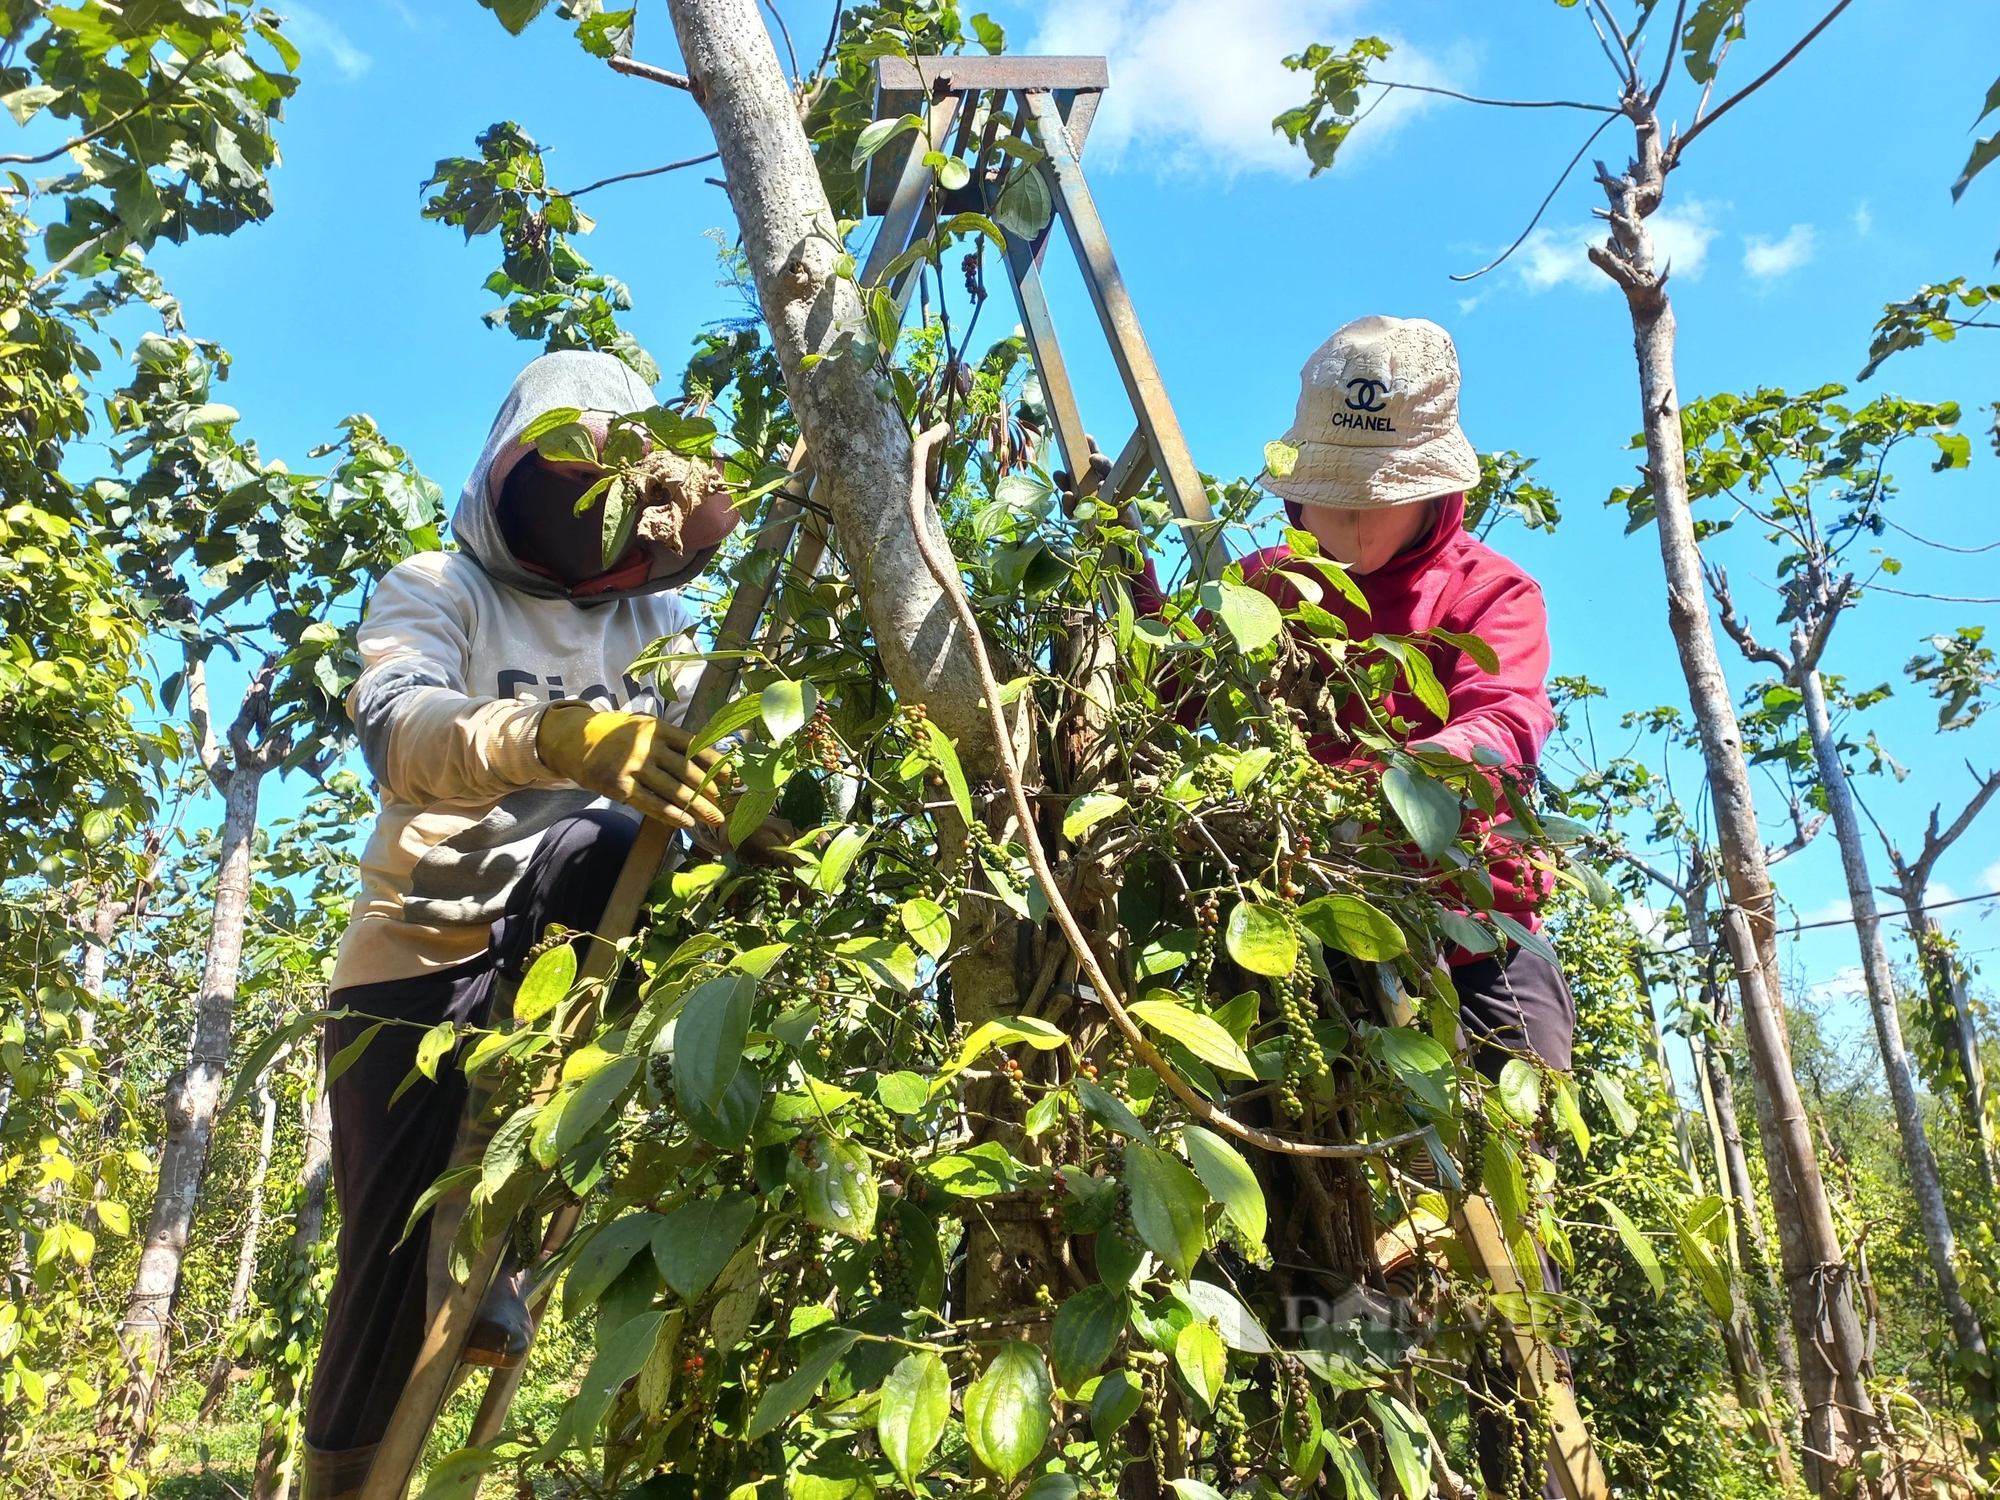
(631, 758)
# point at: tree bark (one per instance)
(1840, 1416)
(193, 1095)
(277, 1444)
(1918, 1159)
(1720, 1093)
(246, 1253)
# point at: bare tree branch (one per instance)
(632, 68)
(1522, 238)
(213, 759)
(1426, 88)
(1667, 72)
(1808, 655)
(672, 166)
(1737, 630)
(1680, 145)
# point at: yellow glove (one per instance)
(630, 758)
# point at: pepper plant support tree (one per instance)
(1812, 471)
(1840, 1421)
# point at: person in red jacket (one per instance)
(1380, 480)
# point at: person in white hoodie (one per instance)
(514, 753)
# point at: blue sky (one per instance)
(1789, 225)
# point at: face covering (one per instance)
(1368, 539)
(538, 518)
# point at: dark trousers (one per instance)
(385, 1156)
(1519, 1007)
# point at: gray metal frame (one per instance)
(1056, 99)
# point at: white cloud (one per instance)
(1195, 83)
(1835, 910)
(316, 36)
(1864, 220)
(1769, 259)
(1681, 234)
(1650, 922)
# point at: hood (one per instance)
(602, 385)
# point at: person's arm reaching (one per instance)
(428, 739)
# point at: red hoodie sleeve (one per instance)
(1507, 711)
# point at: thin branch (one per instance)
(151, 102)
(791, 52)
(1806, 657)
(1673, 43)
(207, 747)
(1426, 88)
(946, 574)
(633, 68)
(1936, 843)
(1746, 642)
(1550, 198)
(1962, 551)
(1880, 588)
(672, 166)
(1805, 831)
(1674, 152)
(1630, 76)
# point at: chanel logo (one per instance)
(1366, 394)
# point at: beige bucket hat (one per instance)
(1377, 422)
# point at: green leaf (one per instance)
(1214, 1304)
(1423, 1065)
(1007, 1410)
(1408, 1440)
(1025, 204)
(1482, 654)
(1350, 925)
(508, 1149)
(1229, 1180)
(1635, 1242)
(1109, 1111)
(879, 133)
(1201, 1035)
(1202, 1361)
(1251, 616)
(1624, 1118)
(433, 1044)
(694, 1242)
(1707, 1271)
(928, 925)
(1004, 1031)
(1115, 1403)
(587, 1103)
(903, 1093)
(980, 1171)
(1571, 1117)
(349, 1055)
(727, 720)
(1262, 940)
(785, 707)
(916, 1406)
(1501, 1174)
(836, 1186)
(1086, 1332)
(839, 858)
(1167, 1204)
(603, 1259)
(791, 1394)
(1429, 809)
(1250, 766)
(551, 978)
(714, 1023)
(946, 757)
(1280, 458)
(1086, 812)
(1521, 1090)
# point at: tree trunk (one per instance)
(246, 1253)
(1719, 1093)
(277, 1444)
(1944, 978)
(1840, 1416)
(1918, 1159)
(193, 1096)
(862, 456)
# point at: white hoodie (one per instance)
(462, 652)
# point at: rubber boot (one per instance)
(335, 1475)
(504, 1327)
